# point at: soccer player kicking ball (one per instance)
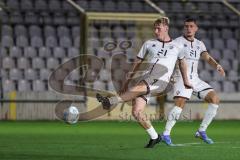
(161, 55)
(194, 49)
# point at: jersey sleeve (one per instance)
(180, 45)
(203, 47)
(143, 51)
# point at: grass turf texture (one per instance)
(113, 141)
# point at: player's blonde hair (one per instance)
(162, 20)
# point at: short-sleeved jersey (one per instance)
(163, 53)
(192, 52)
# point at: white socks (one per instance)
(152, 133)
(208, 117)
(173, 116)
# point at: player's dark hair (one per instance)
(163, 20)
(191, 20)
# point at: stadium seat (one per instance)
(218, 43)
(235, 64)
(59, 19)
(30, 74)
(225, 64)
(36, 41)
(66, 6)
(123, 6)
(7, 30)
(59, 52)
(13, 4)
(75, 75)
(136, 6)
(7, 41)
(46, 18)
(73, 52)
(49, 31)
(52, 63)
(38, 86)
(118, 32)
(35, 31)
(95, 5)
(51, 41)
(94, 43)
(22, 41)
(16, 18)
(54, 5)
(3, 52)
(8, 86)
(44, 73)
(215, 53)
(31, 18)
(44, 52)
(15, 52)
(205, 75)
(216, 7)
(15, 74)
(23, 86)
(109, 5)
(83, 3)
(30, 52)
(233, 75)
(228, 54)
(58, 74)
(216, 86)
(41, 5)
(20, 30)
(65, 42)
(232, 44)
(73, 19)
(26, 5)
(38, 63)
(4, 73)
(63, 31)
(218, 77)
(23, 63)
(75, 31)
(226, 33)
(201, 33)
(207, 43)
(5, 18)
(229, 87)
(8, 63)
(177, 7)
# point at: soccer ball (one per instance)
(71, 115)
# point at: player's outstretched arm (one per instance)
(183, 69)
(205, 56)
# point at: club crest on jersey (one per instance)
(170, 47)
(154, 45)
(198, 47)
(185, 45)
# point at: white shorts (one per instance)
(200, 88)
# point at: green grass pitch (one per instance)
(114, 141)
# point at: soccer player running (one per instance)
(161, 55)
(194, 50)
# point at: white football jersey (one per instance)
(164, 53)
(192, 52)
